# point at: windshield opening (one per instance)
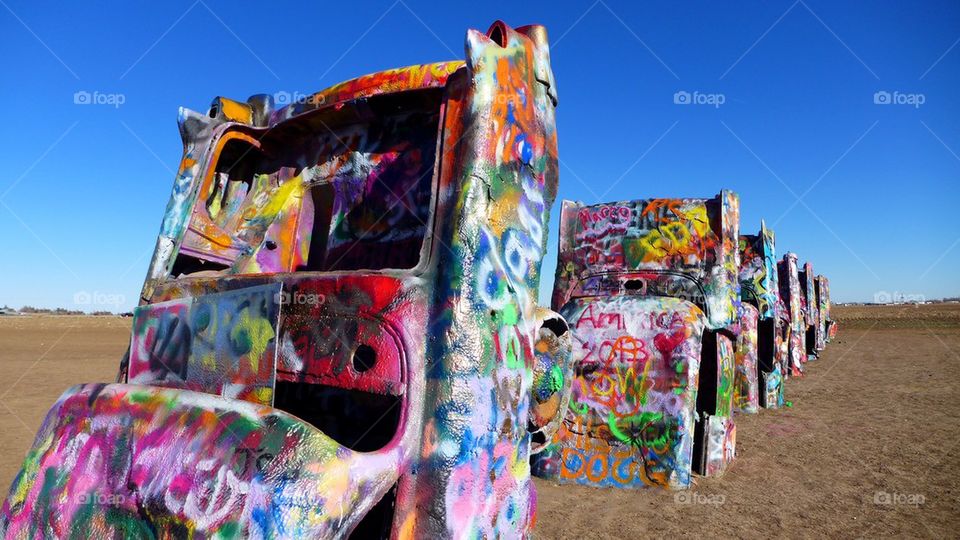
(340, 190)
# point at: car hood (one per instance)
(130, 460)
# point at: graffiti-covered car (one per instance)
(831, 323)
(746, 386)
(789, 277)
(823, 311)
(338, 332)
(649, 288)
(811, 311)
(759, 380)
(784, 326)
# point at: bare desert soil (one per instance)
(870, 447)
(40, 357)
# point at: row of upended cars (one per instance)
(678, 324)
(339, 335)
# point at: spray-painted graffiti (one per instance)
(772, 398)
(631, 411)
(552, 378)
(362, 203)
(831, 324)
(220, 344)
(746, 382)
(725, 375)
(783, 336)
(823, 303)
(367, 261)
(715, 407)
(191, 464)
(644, 284)
(760, 287)
(811, 310)
(681, 248)
(720, 441)
(758, 284)
(339, 333)
(792, 297)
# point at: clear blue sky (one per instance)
(83, 187)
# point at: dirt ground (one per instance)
(870, 447)
(40, 357)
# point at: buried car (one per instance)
(823, 311)
(830, 331)
(789, 281)
(338, 333)
(759, 379)
(649, 288)
(811, 311)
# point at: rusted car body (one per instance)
(338, 332)
(760, 351)
(649, 288)
(789, 277)
(811, 311)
